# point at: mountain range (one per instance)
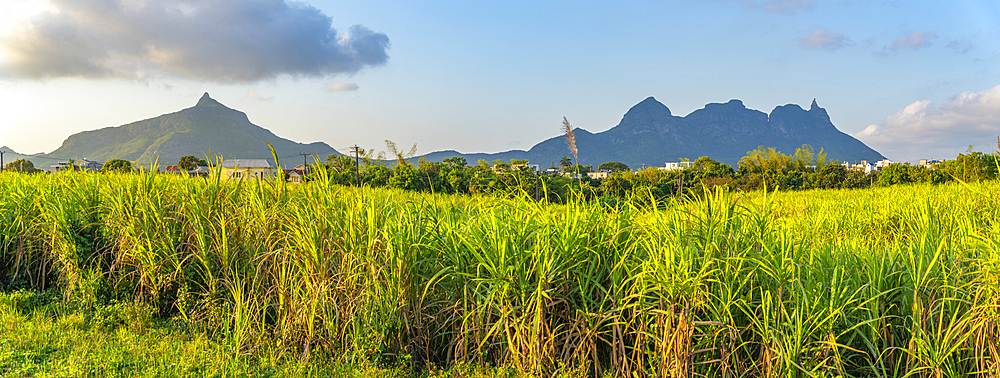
(650, 135)
(647, 135)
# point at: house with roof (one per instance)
(296, 175)
(598, 175)
(69, 165)
(676, 166)
(90, 166)
(197, 171)
(61, 166)
(249, 169)
(930, 163)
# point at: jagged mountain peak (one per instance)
(645, 110)
(648, 135)
(208, 101)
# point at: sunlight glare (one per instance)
(15, 12)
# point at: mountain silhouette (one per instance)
(208, 126)
(648, 134)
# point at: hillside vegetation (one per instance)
(207, 127)
(265, 276)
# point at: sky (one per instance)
(912, 79)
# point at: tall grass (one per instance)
(880, 282)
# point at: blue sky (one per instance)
(913, 79)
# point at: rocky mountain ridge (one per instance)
(649, 134)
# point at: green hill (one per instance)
(208, 126)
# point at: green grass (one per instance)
(275, 279)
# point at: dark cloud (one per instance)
(228, 41)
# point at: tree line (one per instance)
(761, 169)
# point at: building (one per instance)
(598, 175)
(883, 163)
(863, 166)
(676, 166)
(866, 166)
(84, 165)
(296, 175)
(929, 163)
(198, 171)
(249, 169)
(89, 166)
(61, 166)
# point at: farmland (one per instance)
(876, 282)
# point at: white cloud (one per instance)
(225, 41)
(253, 95)
(341, 86)
(822, 39)
(915, 40)
(780, 6)
(922, 130)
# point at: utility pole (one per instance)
(357, 165)
(305, 166)
(1, 160)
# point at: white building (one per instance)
(250, 169)
(866, 166)
(598, 175)
(676, 166)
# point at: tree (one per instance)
(616, 186)
(763, 159)
(20, 165)
(972, 166)
(501, 166)
(581, 169)
(831, 176)
(612, 166)
(190, 163)
(804, 158)
(565, 162)
(399, 154)
(712, 168)
(455, 162)
(117, 165)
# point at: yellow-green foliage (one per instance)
(879, 282)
